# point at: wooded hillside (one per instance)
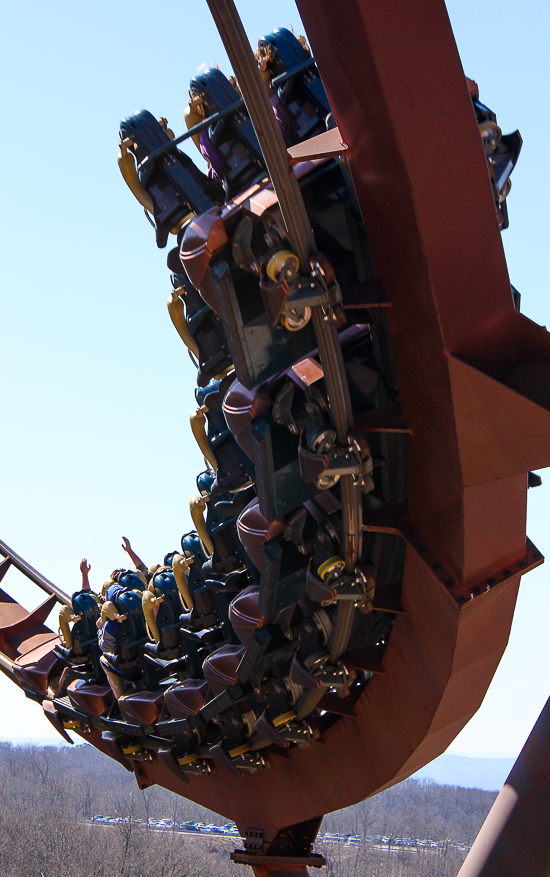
(49, 795)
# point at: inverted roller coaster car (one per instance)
(370, 403)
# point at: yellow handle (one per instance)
(177, 315)
(148, 602)
(180, 565)
(198, 421)
(197, 506)
(192, 118)
(127, 165)
(65, 615)
(141, 576)
(108, 610)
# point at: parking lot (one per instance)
(230, 830)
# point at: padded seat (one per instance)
(233, 137)
(141, 707)
(69, 656)
(93, 700)
(82, 648)
(164, 626)
(121, 664)
(175, 185)
(203, 616)
(220, 668)
(187, 698)
(155, 650)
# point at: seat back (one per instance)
(131, 580)
(84, 632)
(132, 634)
(304, 95)
(146, 133)
(191, 547)
(206, 328)
(235, 138)
(176, 186)
(221, 524)
(168, 616)
(211, 396)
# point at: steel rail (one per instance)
(261, 114)
(31, 573)
(6, 664)
(297, 223)
(221, 114)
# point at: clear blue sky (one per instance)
(96, 385)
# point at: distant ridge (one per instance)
(472, 773)
(484, 773)
(39, 741)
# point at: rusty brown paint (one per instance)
(514, 838)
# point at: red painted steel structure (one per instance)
(514, 839)
(472, 376)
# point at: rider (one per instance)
(137, 561)
(108, 626)
(84, 569)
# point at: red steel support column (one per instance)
(515, 838)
